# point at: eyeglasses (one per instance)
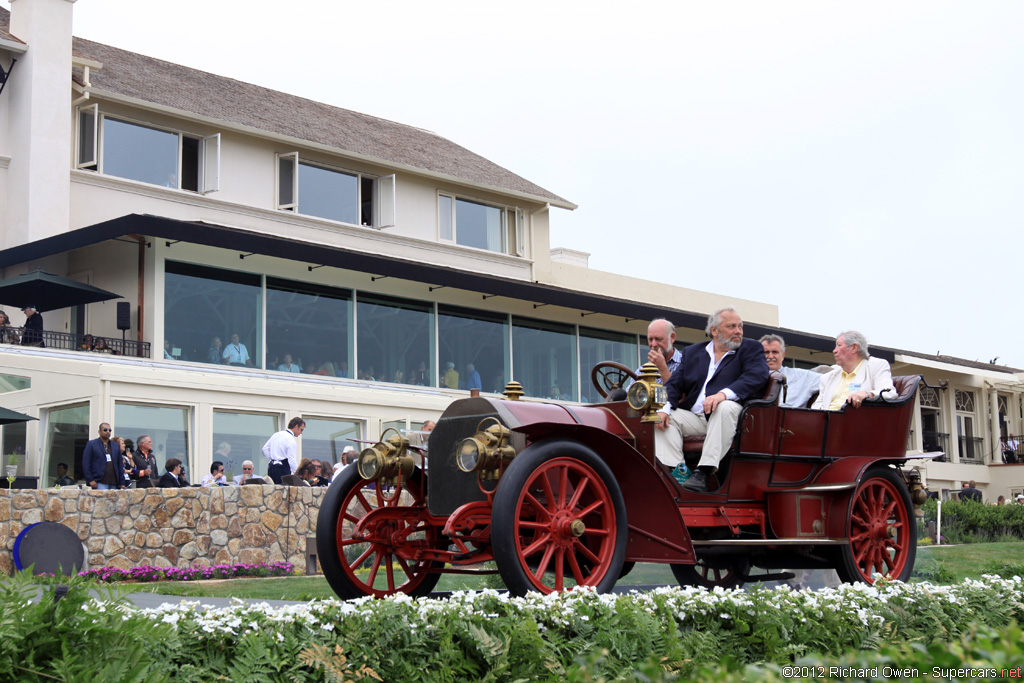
(246, 468)
(105, 429)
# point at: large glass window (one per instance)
(325, 438)
(140, 153)
(308, 328)
(395, 339)
(149, 155)
(167, 426)
(597, 346)
(328, 194)
(474, 224)
(14, 383)
(238, 437)
(544, 358)
(212, 315)
(473, 348)
(67, 432)
(315, 190)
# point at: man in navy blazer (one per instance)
(102, 461)
(706, 393)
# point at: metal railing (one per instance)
(66, 341)
(972, 450)
(934, 442)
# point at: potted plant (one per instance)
(12, 466)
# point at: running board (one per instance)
(764, 542)
(822, 488)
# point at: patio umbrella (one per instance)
(10, 417)
(49, 292)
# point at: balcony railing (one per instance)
(934, 442)
(66, 341)
(972, 450)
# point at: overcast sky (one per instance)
(857, 164)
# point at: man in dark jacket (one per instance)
(102, 462)
(173, 477)
(145, 462)
(706, 394)
(969, 492)
(33, 334)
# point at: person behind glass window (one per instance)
(235, 353)
(215, 352)
(287, 365)
(62, 476)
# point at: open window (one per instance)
(335, 194)
(88, 136)
(209, 166)
(288, 181)
(387, 194)
(483, 226)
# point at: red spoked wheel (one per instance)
(882, 530)
(559, 521)
(378, 563)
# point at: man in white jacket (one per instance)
(856, 377)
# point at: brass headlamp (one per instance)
(387, 458)
(918, 496)
(646, 395)
(487, 451)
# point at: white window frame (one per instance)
(293, 158)
(385, 190)
(387, 202)
(208, 171)
(514, 228)
(209, 164)
(93, 154)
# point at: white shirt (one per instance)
(282, 447)
(235, 353)
(209, 479)
(698, 405)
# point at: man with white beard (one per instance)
(706, 393)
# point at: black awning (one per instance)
(213, 235)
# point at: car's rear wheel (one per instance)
(722, 572)
(559, 521)
(375, 565)
(882, 530)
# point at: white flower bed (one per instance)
(856, 606)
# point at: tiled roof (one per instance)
(155, 81)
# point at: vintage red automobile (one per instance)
(566, 495)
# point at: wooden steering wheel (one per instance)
(608, 376)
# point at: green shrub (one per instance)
(970, 522)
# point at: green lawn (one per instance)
(940, 564)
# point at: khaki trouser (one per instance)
(719, 430)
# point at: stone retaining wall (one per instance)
(170, 527)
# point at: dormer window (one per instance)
(483, 226)
(345, 196)
(147, 154)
